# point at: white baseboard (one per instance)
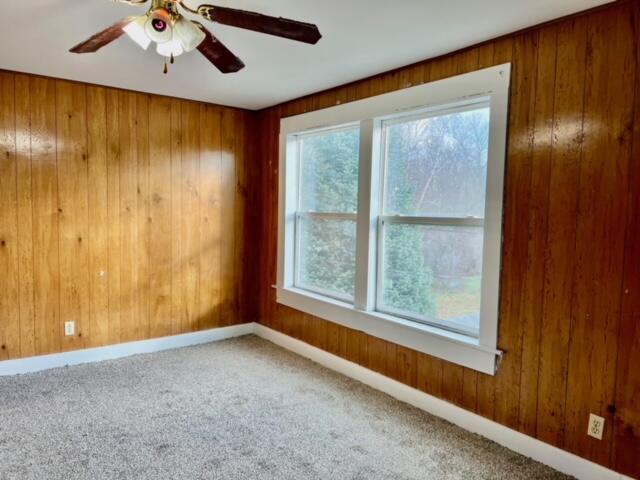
(556, 458)
(110, 352)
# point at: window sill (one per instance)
(449, 346)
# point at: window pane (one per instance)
(433, 273)
(327, 256)
(437, 166)
(329, 171)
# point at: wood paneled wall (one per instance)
(570, 288)
(121, 211)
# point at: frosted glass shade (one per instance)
(189, 35)
(135, 31)
(174, 47)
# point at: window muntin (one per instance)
(325, 260)
(431, 235)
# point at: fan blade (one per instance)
(280, 27)
(102, 38)
(218, 54)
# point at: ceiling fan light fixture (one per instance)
(174, 35)
(135, 31)
(189, 34)
(170, 49)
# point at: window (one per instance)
(391, 215)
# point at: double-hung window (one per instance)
(391, 214)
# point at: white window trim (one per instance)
(488, 85)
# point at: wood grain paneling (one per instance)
(115, 212)
(626, 415)
(570, 285)
(98, 226)
(9, 296)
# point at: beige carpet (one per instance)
(239, 409)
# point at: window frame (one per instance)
(489, 86)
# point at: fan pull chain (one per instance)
(166, 68)
(172, 59)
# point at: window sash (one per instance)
(300, 216)
(300, 139)
(451, 326)
(473, 104)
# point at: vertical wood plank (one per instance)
(429, 374)
(190, 232)
(25, 215)
(129, 319)
(74, 212)
(240, 255)
(531, 309)
(353, 346)
(44, 181)
(9, 291)
(97, 184)
(210, 217)
(406, 367)
(160, 231)
(114, 242)
(248, 260)
(179, 322)
(377, 353)
(143, 252)
(228, 181)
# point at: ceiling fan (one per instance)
(174, 34)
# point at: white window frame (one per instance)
(489, 86)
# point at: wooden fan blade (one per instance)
(102, 38)
(280, 27)
(218, 54)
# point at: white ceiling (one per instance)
(360, 38)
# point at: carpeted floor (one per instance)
(239, 409)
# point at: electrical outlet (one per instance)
(596, 426)
(69, 329)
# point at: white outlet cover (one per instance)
(69, 329)
(596, 426)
